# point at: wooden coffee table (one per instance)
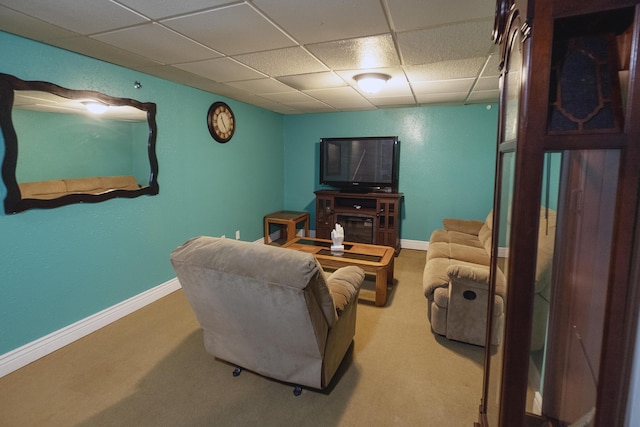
(373, 259)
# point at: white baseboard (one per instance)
(414, 244)
(34, 350)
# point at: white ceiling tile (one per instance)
(313, 81)
(313, 21)
(341, 98)
(88, 16)
(487, 83)
(481, 96)
(333, 93)
(285, 46)
(352, 105)
(444, 86)
(262, 86)
(457, 69)
(176, 74)
(15, 22)
(156, 9)
(221, 70)
(416, 14)
(90, 47)
(446, 43)
(158, 43)
(287, 97)
(284, 109)
(386, 101)
(239, 95)
(282, 62)
(366, 52)
(312, 105)
(232, 30)
(394, 86)
(492, 68)
(442, 98)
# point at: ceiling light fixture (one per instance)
(371, 82)
(95, 107)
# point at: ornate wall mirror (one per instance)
(58, 152)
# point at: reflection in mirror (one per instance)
(58, 152)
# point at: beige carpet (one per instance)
(150, 369)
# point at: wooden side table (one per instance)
(288, 222)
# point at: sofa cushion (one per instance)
(438, 250)
(439, 235)
(470, 254)
(465, 239)
(467, 226)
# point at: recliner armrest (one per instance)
(467, 273)
(477, 277)
(344, 284)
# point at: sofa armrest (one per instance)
(468, 226)
(477, 277)
(344, 284)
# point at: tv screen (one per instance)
(360, 164)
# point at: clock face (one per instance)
(221, 122)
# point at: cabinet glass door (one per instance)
(500, 273)
(572, 275)
(507, 136)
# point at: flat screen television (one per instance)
(361, 164)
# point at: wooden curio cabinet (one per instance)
(565, 214)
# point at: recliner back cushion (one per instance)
(270, 264)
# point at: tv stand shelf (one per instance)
(372, 218)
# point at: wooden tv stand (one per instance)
(372, 218)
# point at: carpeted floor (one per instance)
(150, 369)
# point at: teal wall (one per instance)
(61, 265)
(447, 157)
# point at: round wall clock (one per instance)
(221, 121)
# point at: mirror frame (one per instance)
(13, 202)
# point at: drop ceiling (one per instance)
(288, 56)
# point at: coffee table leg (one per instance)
(381, 287)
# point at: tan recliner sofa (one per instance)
(55, 188)
(456, 280)
(270, 310)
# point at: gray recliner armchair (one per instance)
(270, 310)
